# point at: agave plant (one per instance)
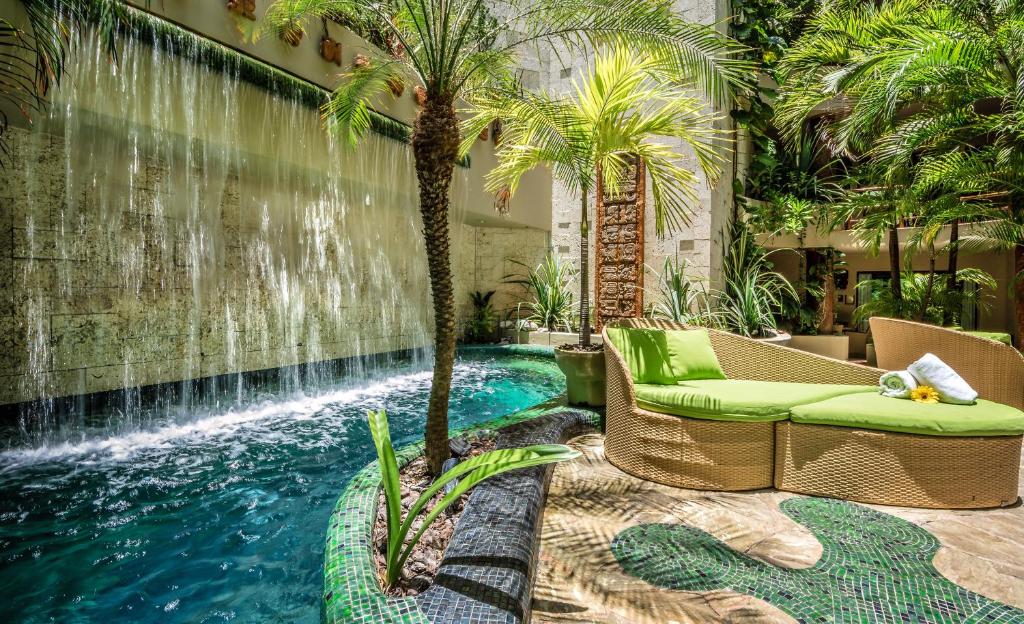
(549, 286)
(463, 476)
(682, 299)
(753, 294)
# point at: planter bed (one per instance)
(486, 574)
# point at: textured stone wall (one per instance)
(108, 280)
(487, 255)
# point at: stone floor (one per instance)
(764, 556)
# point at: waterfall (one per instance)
(173, 221)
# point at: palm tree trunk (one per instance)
(894, 268)
(435, 144)
(929, 288)
(952, 284)
(1018, 292)
(584, 272)
(828, 299)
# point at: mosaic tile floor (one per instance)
(619, 549)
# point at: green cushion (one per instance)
(739, 400)
(1002, 337)
(646, 354)
(984, 418)
(692, 356)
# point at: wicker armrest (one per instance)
(994, 369)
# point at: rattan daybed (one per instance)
(851, 462)
(709, 454)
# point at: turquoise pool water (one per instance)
(220, 517)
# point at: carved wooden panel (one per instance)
(619, 275)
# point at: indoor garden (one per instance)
(514, 311)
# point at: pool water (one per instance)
(222, 517)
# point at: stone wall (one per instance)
(110, 282)
(488, 255)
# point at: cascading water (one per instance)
(171, 222)
(174, 222)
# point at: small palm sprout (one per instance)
(464, 475)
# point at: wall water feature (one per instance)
(165, 221)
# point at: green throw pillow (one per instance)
(691, 355)
(646, 353)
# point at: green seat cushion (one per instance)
(738, 400)
(1002, 337)
(984, 418)
(692, 356)
(646, 353)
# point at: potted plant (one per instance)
(620, 112)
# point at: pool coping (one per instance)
(497, 527)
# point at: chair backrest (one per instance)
(995, 370)
(746, 358)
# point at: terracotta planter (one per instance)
(584, 376)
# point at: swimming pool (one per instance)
(222, 517)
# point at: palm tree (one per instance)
(929, 90)
(614, 119)
(442, 47)
(34, 48)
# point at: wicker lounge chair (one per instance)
(709, 454)
(862, 463)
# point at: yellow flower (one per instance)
(924, 394)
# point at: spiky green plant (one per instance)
(463, 476)
(442, 48)
(681, 298)
(549, 286)
(753, 294)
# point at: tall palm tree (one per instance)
(930, 90)
(616, 116)
(442, 47)
(34, 48)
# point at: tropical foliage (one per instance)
(925, 298)
(619, 117)
(753, 295)
(481, 325)
(925, 97)
(441, 47)
(549, 287)
(35, 47)
(681, 298)
(453, 483)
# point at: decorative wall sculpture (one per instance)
(245, 8)
(330, 50)
(619, 275)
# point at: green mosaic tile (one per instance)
(352, 593)
(874, 568)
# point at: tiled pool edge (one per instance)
(351, 591)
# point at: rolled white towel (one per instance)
(897, 384)
(931, 371)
